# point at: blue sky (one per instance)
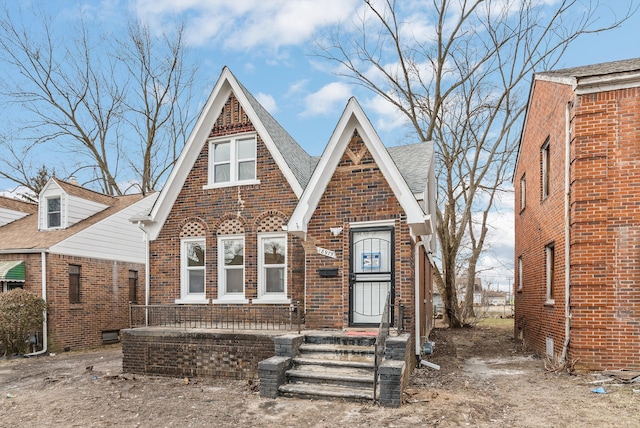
(268, 46)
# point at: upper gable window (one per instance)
(54, 213)
(232, 161)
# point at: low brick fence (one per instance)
(190, 353)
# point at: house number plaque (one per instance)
(327, 253)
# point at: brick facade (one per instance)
(357, 192)
(244, 209)
(104, 297)
(604, 226)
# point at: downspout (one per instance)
(416, 293)
(567, 235)
(43, 264)
(147, 272)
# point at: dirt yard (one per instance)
(486, 379)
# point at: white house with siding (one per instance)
(79, 250)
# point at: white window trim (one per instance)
(211, 184)
(185, 297)
(549, 250)
(223, 296)
(263, 297)
(46, 213)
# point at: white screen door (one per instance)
(371, 276)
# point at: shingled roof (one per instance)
(23, 234)
(605, 68)
(294, 155)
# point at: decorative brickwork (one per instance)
(357, 192)
(232, 226)
(193, 228)
(236, 209)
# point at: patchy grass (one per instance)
(501, 323)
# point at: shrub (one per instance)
(21, 314)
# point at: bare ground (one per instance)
(486, 379)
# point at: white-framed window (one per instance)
(520, 273)
(550, 259)
(231, 269)
(232, 161)
(523, 192)
(54, 212)
(272, 268)
(545, 159)
(192, 278)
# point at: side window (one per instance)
(54, 217)
(550, 260)
(520, 281)
(523, 192)
(192, 281)
(231, 268)
(545, 168)
(133, 286)
(74, 284)
(272, 267)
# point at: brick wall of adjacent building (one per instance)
(605, 226)
(357, 192)
(104, 298)
(189, 353)
(244, 209)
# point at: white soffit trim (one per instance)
(353, 118)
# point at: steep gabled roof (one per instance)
(413, 161)
(294, 163)
(354, 119)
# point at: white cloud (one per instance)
(328, 99)
(387, 116)
(267, 102)
(246, 24)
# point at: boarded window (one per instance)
(133, 286)
(74, 284)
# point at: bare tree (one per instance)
(458, 70)
(103, 106)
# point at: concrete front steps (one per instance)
(338, 365)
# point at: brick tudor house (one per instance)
(248, 219)
(577, 221)
(78, 250)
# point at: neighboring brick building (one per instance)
(583, 209)
(78, 250)
(248, 218)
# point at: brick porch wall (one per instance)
(180, 353)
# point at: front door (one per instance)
(371, 274)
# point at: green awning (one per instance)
(12, 270)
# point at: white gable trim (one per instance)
(224, 87)
(354, 118)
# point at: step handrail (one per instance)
(381, 340)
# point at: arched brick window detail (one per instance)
(232, 226)
(272, 223)
(193, 228)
